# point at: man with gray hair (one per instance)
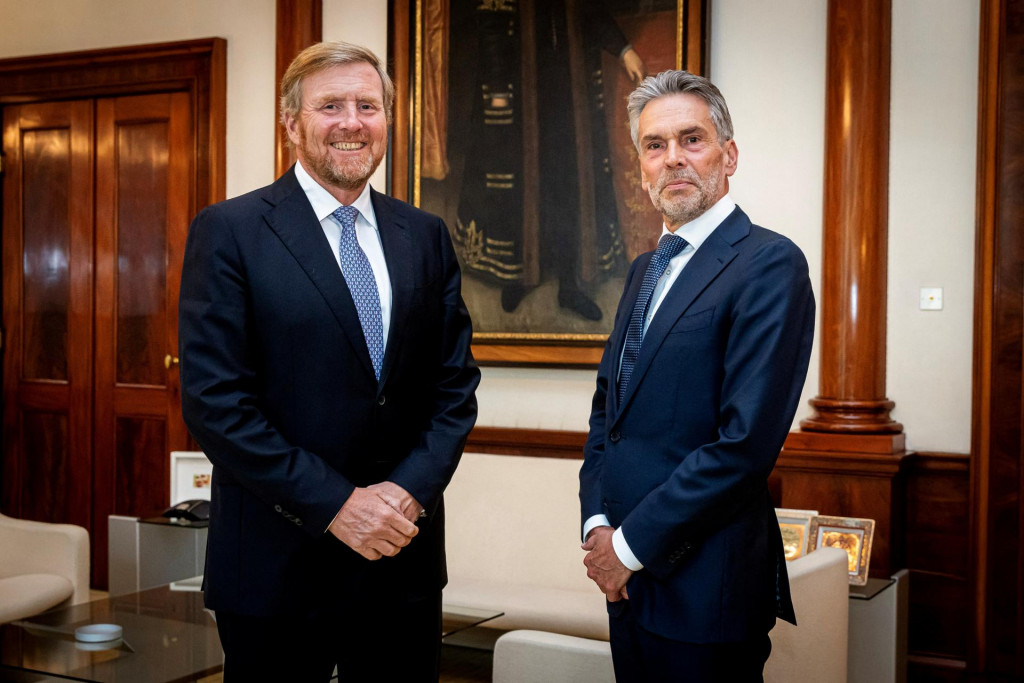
(326, 372)
(695, 395)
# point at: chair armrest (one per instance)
(43, 548)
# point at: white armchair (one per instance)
(815, 650)
(42, 565)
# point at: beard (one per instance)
(681, 208)
(348, 175)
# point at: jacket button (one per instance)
(614, 437)
(277, 508)
(381, 400)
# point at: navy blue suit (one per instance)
(682, 464)
(279, 391)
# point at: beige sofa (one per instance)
(813, 652)
(41, 566)
(512, 534)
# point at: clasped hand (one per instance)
(603, 565)
(377, 520)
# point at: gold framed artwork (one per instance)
(514, 132)
(795, 526)
(852, 534)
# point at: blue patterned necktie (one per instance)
(668, 247)
(361, 283)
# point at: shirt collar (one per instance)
(324, 203)
(701, 227)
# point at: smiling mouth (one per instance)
(348, 146)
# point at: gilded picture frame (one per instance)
(795, 527)
(544, 234)
(852, 534)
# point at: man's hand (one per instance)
(603, 565)
(371, 526)
(398, 498)
(634, 65)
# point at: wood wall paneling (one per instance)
(997, 525)
(299, 25)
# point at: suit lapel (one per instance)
(704, 266)
(291, 217)
(394, 237)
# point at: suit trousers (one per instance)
(369, 640)
(640, 656)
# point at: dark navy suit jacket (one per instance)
(682, 464)
(279, 391)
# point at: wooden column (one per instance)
(848, 458)
(299, 25)
(853, 293)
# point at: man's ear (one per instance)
(291, 126)
(732, 154)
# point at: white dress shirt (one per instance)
(695, 233)
(324, 204)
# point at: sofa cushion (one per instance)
(579, 613)
(29, 594)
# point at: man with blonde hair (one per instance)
(326, 372)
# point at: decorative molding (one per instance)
(535, 443)
(195, 66)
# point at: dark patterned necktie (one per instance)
(668, 247)
(361, 283)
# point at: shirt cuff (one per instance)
(593, 523)
(623, 552)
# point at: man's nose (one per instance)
(674, 156)
(348, 117)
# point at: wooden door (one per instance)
(144, 161)
(47, 310)
(93, 237)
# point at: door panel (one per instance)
(47, 310)
(143, 205)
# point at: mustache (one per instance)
(689, 176)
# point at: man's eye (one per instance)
(692, 140)
(654, 146)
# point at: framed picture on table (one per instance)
(795, 526)
(515, 134)
(191, 476)
(854, 535)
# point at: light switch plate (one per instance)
(931, 298)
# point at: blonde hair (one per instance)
(320, 56)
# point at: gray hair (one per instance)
(677, 83)
(320, 56)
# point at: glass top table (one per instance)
(456, 618)
(169, 637)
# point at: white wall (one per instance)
(769, 61)
(932, 170)
(44, 26)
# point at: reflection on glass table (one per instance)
(168, 637)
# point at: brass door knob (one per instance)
(170, 360)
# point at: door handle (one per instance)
(170, 360)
